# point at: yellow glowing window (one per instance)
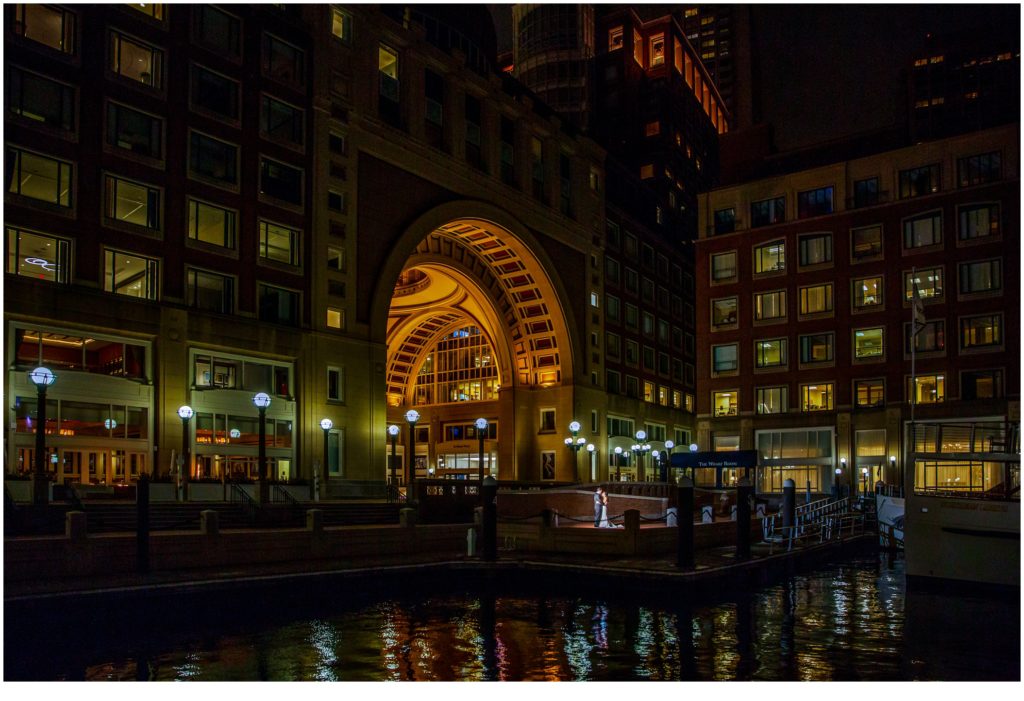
(677, 54)
(816, 397)
(615, 38)
(690, 12)
(638, 48)
(648, 391)
(869, 343)
(658, 50)
(725, 403)
(341, 24)
(335, 318)
(387, 62)
(936, 59)
(920, 62)
(652, 129)
(704, 21)
(647, 171)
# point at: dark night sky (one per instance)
(846, 62)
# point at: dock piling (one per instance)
(684, 505)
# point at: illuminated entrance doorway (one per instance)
(474, 317)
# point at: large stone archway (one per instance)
(468, 267)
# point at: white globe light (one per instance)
(393, 430)
(641, 435)
(618, 450)
(326, 424)
(647, 446)
(693, 448)
(590, 447)
(235, 433)
(574, 426)
(110, 424)
(581, 441)
(412, 416)
(568, 441)
(481, 424)
(261, 400)
(42, 377)
(839, 471)
(669, 445)
(655, 453)
(185, 412)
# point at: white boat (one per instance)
(889, 510)
(962, 518)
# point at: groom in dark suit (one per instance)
(597, 507)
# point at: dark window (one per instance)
(925, 230)
(217, 30)
(981, 276)
(919, 181)
(565, 182)
(40, 99)
(976, 170)
(508, 151)
(387, 71)
(537, 154)
(279, 120)
(211, 292)
(473, 136)
(433, 92)
(134, 131)
(279, 306)
(814, 203)
(866, 243)
(280, 181)
(816, 249)
(282, 61)
(767, 212)
(981, 384)
(816, 348)
(979, 221)
(214, 159)
(214, 92)
(725, 221)
(865, 192)
(931, 337)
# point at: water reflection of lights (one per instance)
(323, 638)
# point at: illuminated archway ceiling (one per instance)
(474, 272)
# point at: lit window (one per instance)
(38, 256)
(921, 231)
(211, 224)
(41, 100)
(638, 48)
(724, 312)
(335, 318)
(725, 403)
(46, 24)
(869, 393)
(387, 67)
(130, 275)
(336, 258)
(869, 343)
(213, 158)
(927, 389)
(816, 397)
(135, 60)
(770, 258)
(647, 171)
(981, 384)
(928, 282)
(770, 305)
(154, 10)
(282, 61)
(652, 128)
(772, 400)
(657, 48)
(867, 292)
(979, 221)
(981, 331)
(131, 202)
(770, 353)
(341, 25)
(816, 299)
(594, 299)
(279, 243)
(39, 177)
(648, 391)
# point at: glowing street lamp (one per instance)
(393, 432)
(411, 417)
(326, 425)
(618, 464)
(481, 431)
(42, 378)
(262, 401)
(641, 449)
(575, 443)
(185, 413)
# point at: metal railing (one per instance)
(980, 437)
(250, 508)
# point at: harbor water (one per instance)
(850, 620)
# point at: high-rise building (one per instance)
(805, 309)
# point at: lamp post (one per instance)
(411, 416)
(864, 480)
(590, 451)
(262, 401)
(850, 478)
(641, 448)
(393, 432)
(657, 464)
(669, 445)
(575, 444)
(618, 464)
(42, 378)
(326, 425)
(185, 413)
(693, 471)
(481, 430)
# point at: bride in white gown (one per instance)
(604, 523)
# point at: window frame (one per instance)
(875, 358)
(108, 275)
(15, 109)
(875, 382)
(190, 288)
(995, 215)
(937, 241)
(806, 387)
(760, 364)
(804, 300)
(65, 248)
(194, 240)
(51, 205)
(803, 239)
(784, 306)
(857, 290)
(805, 349)
(973, 347)
(157, 59)
(779, 269)
(262, 228)
(112, 220)
(232, 185)
(735, 268)
(880, 255)
(993, 291)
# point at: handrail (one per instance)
(249, 506)
(278, 491)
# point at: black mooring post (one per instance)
(142, 522)
(744, 492)
(684, 517)
(489, 527)
(788, 503)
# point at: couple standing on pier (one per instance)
(601, 509)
